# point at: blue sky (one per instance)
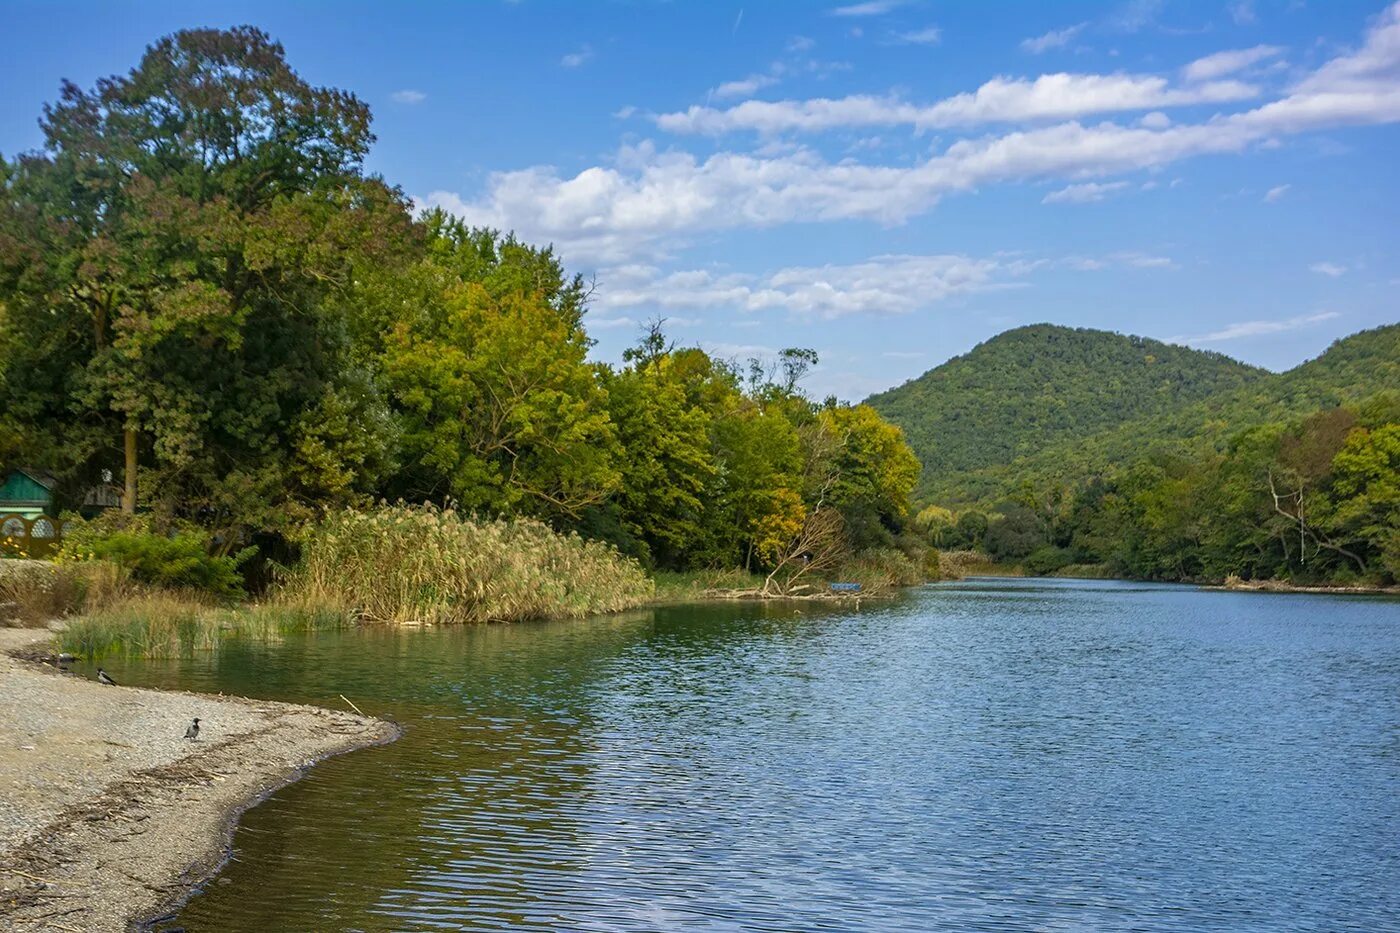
(887, 182)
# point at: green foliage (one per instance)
(1040, 386)
(181, 560)
(197, 263)
(1018, 410)
(667, 460)
(172, 263)
(1047, 559)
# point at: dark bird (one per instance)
(192, 732)
(105, 678)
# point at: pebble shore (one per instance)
(108, 816)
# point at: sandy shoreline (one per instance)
(108, 817)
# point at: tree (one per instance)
(874, 469)
(666, 462)
(1367, 471)
(187, 236)
(499, 408)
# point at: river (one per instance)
(984, 755)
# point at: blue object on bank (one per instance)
(845, 587)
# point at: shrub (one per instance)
(1047, 559)
(404, 563)
(180, 560)
(880, 569)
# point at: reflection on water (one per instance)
(983, 755)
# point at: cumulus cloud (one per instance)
(1256, 328)
(1229, 62)
(1000, 100)
(1330, 269)
(647, 200)
(1084, 193)
(745, 87)
(408, 96)
(1054, 39)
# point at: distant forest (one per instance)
(1056, 447)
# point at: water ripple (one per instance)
(1000, 755)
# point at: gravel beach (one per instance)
(108, 816)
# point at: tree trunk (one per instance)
(129, 495)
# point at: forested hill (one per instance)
(1035, 387)
(1019, 407)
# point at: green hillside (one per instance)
(1047, 403)
(1034, 387)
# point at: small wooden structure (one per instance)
(26, 493)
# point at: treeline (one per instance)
(1312, 500)
(207, 299)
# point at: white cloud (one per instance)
(609, 323)
(929, 35)
(647, 201)
(882, 285)
(1330, 269)
(1131, 259)
(408, 96)
(744, 87)
(1000, 100)
(869, 8)
(575, 59)
(1228, 62)
(1276, 193)
(1083, 193)
(1156, 120)
(801, 44)
(1242, 12)
(1256, 328)
(896, 284)
(1054, 39)
(1136, 14)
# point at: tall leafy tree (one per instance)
(187, 235)
(485, 358)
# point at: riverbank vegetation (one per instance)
(207, 301)
(1310, 501)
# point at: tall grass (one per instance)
(156, 624)
(422, 564)
(32, 592)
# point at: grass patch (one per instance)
(697, 585)
(169, 625)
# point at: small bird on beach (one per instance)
(105, 678)
(192, 732)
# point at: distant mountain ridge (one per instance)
(1046, 402)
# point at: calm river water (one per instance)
(987, 755)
